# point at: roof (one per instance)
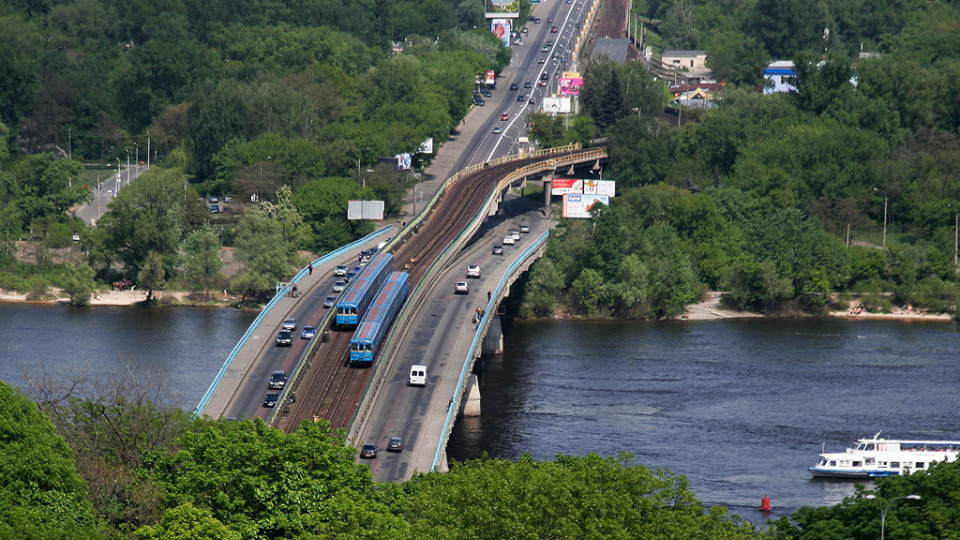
(683, 53)
(614, 48)
(779, 71)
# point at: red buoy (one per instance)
(765, 504)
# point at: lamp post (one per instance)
(886, 507)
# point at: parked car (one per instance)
(395, 445)
(278, 379)
(524, 228)
(536, 20)
(270, 399)
(340, 270)
(329, 301)
(486, 93)
(289, 324)
(214, 199)
(308, 332)
(214, 208)
(508, 240)
(461, 288)
(284, 338)
(478, 102)
(497, 249)
(473, 271)
(369, 451)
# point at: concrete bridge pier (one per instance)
(471, 405)
(547, 184)
(493, 340)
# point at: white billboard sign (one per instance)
(579, 206)
(599, 187)
(554, 105)
(562, 186)
(365, 210)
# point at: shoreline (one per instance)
(707, 310)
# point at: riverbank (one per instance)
(711, 309)
(109, 297)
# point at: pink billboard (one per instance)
(570, 86)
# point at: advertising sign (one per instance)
(578, 206)
(502, 29)
(554, 105)
(562, 186)
(404, 162)
(599, 187)
(570, 86)
(365, 210)
(501, 9)
(491, 78)
(426, 147)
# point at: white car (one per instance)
(525, 228)
(515, 235)
(340, 270)
(461, 288)
(473, 271)
(508, 240)
(289, 324)
(339, 286)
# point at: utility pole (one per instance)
(148, 150)
(884, 245)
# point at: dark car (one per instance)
(486, 93)
(544, 76)
(497, 249)
(478, 102)
(395, 445)
(541, 60)
(513, 86)
(270, 399)
(549, 43)
(521, 97)
(284, 338)
(553, 29)
(536, 20)
(527, 84)
(214, 208)
(278, 379)
(369, 451)
(349, 277)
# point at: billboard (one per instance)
(502, 28)
(570, 86)
(404, 161)
(563, 186)
(599, 187)
(554, 105)
(501, 9)
(426, 147)
(365, 210)
(491, 78)
(578, 206)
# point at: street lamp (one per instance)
(883, 511)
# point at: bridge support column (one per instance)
(493, 340)
(442, 465)
(471, 405)
(547, 184)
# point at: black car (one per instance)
(527, 84)
(536, 20)
(284, 338)
(478, 102)
(395, 445)
(521, 97)
(544, 76)
(513, 86)
(369, 451)
(270, 399)
(486, 93)
(277, 380)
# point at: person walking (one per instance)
(310, 269)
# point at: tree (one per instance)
(146, 220)
(203, 261)
(41, 494)
(152, 274)
(187, 522)
(267, 256)
(79, 283)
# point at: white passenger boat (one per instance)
(876, 457)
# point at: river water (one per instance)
(740, 407)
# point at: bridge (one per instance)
(464, 205)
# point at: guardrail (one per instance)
(467, 362)
(269, 306)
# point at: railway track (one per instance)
(330, 388)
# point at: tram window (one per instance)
(921, 465)
(895, 464)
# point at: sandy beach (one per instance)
(711, 309)
(105, 297)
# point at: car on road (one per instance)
(549, 43)
(508, 240)
(515, 235)
(504, 116)
(284, 338)
(544, 49)
(524, 30)
(541, 84)
(369, 451)
(270, 399)
(308, 332)
(497, 249)
(329, 301)
(278, 379)
(544, 76)
(522, 97)
(527, 84)
(339, 286)
(289, 324)
(513, 86)
(542, 60)
(473, 271)
(349, 277)
(536, 20)
(553, 29)
(496, 129)
(524, 228)
(340, 270)
(550, 20)
(395, 445)
(461, 288)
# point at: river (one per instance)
(740, 407)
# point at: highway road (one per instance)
(105, 192)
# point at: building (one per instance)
(779, 76)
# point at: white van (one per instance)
(418, 375)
